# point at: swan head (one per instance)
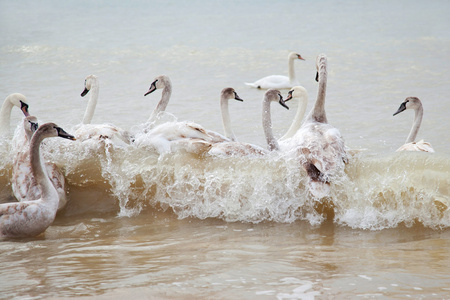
(321, 63)
(53, 130)
(409, 103)
(160, 82)
(30, 125)
(294, 55)
(230, 93)
(89, 82)
(296, 92)
(20, 101)
(275, 96)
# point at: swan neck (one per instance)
(297, 122)
(319, 114)
(291, 70)
(272, 143)
(37, 170)
(90, 109)
(226, 121)
(163, 102)
(416, 125)
(5, 116)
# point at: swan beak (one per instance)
(24, 108)
(401, 108)
(236, 97)
(152, 88)
(282, 102)
(300, 57)
(63, 134)
(84, 92)
(317, 76)
(34, 126)
(289, 96)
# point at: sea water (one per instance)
(180, 225)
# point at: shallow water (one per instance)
(180, 225)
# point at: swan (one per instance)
(30, 218)
(23, 183)
(410, 144)
(225, 95)
(279, 81)
(86, 130)
(320, 145)
(173, 136)
(245, 149)
(299, 93)
(12, 100)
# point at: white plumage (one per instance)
(279, 81)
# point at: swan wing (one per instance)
(103, 132)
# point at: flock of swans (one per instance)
(39, 186)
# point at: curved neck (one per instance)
(163, 102)
(318, 113)
(291, 69)
(5, 116)
(46, 187)
(297, 122)
(267, 126)
(90, 109)
(226, 121)
(416, 125)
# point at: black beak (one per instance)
(317, 76)
(24, 108)
(236, 97)
(34, 126)
(152, 88)
(282, 102)
(84, 92)
(401, 108)
(64, 134)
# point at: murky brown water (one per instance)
(155, 255)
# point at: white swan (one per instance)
(234, 148)
(279, 81)
(23, 183)
(86, 130)
(410, 144)
(12, 100)
(320, 145)
(173, 136)
(298, 93)
(30, 218)
(225, 95)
